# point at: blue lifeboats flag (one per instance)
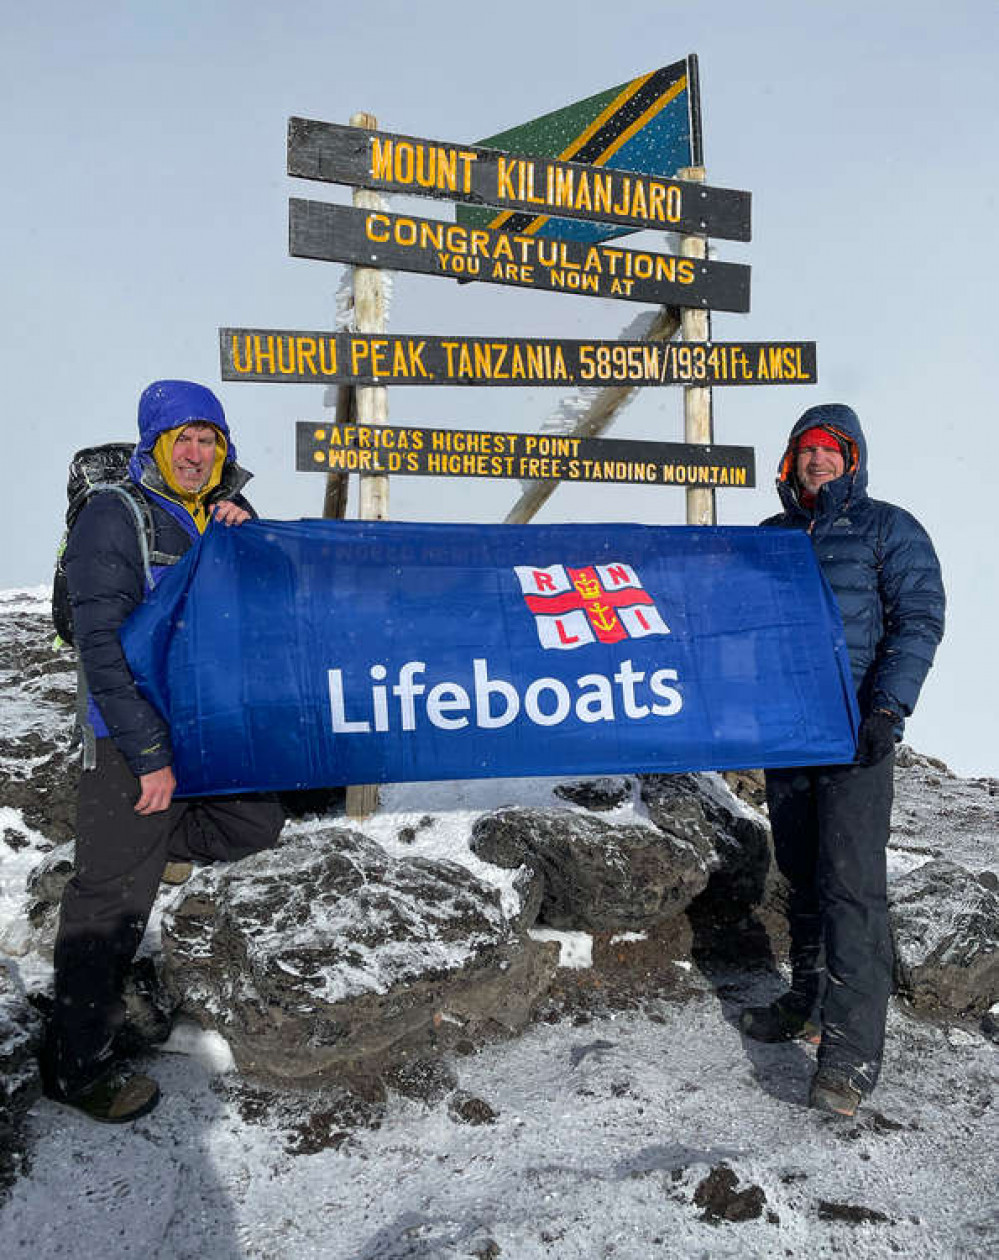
(298, 654)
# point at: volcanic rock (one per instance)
(328, 960)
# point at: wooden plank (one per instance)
(409, 450)
(386, 161)
(274, 355)
(433, 247)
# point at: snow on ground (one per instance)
(602, 1128)
(602, 1133)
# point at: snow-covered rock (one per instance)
(946, 923)
(327, 959)
(598, 875)
(20, 1032)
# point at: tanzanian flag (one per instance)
(650, 125)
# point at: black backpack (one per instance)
(99, 470)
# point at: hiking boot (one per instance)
(175, 873)
(780, 1021)
(115, 1098)
(834, 1093)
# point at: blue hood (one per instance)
(842, 422)
(168, 404)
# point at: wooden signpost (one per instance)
(268, 354)
(466, 173)
(405, 450)
(407, 243)
(536, 206)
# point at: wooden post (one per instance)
(372, 408)
(697, 420)
(338, 483)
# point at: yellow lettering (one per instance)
(381, 158)
(267, 354)
(666, 268)
(248, 367)
(432, 235)
(504, 179)
(603, 186)
(380, 220)
(327, 343)
(583, 200)
(564, 180)
(285, 343)
(466, 159)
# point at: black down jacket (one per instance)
(106, 576)
(880, 564)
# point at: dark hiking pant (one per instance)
(830, 827)
(120, 857)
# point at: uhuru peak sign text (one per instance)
(260, 354)
(406, 243)
(405, 450)
(435, 168)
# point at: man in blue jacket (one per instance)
(128, 824)
(831, 823)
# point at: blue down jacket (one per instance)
(880, 564)
(106, 576)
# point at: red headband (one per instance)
(818, 437)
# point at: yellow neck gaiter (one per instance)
(192, 500)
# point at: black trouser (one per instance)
(120, 857)
(830, 827)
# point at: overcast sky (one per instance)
(145, 206)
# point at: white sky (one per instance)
(145, 205)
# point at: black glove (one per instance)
(876, 737)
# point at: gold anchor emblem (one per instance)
(599, 616)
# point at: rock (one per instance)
(38, 765)
(423, 1080)
(733, 839)
(748, 785)
(327, 960)
(598, 876)
(465, 1108)
(851, 1213)
(45, 886)
(946, 923)
(20, 1086)
(596, 794)
(717, 1195)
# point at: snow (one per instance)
(602, 1133)
(575, 948)
(604, 1125)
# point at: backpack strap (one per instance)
(143, 526)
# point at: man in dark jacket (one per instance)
(128, 824)
(831, 823)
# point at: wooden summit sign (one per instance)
(260, 354)
(408, 451)
(406, 243)
(435, 168)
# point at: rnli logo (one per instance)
(602, 603)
